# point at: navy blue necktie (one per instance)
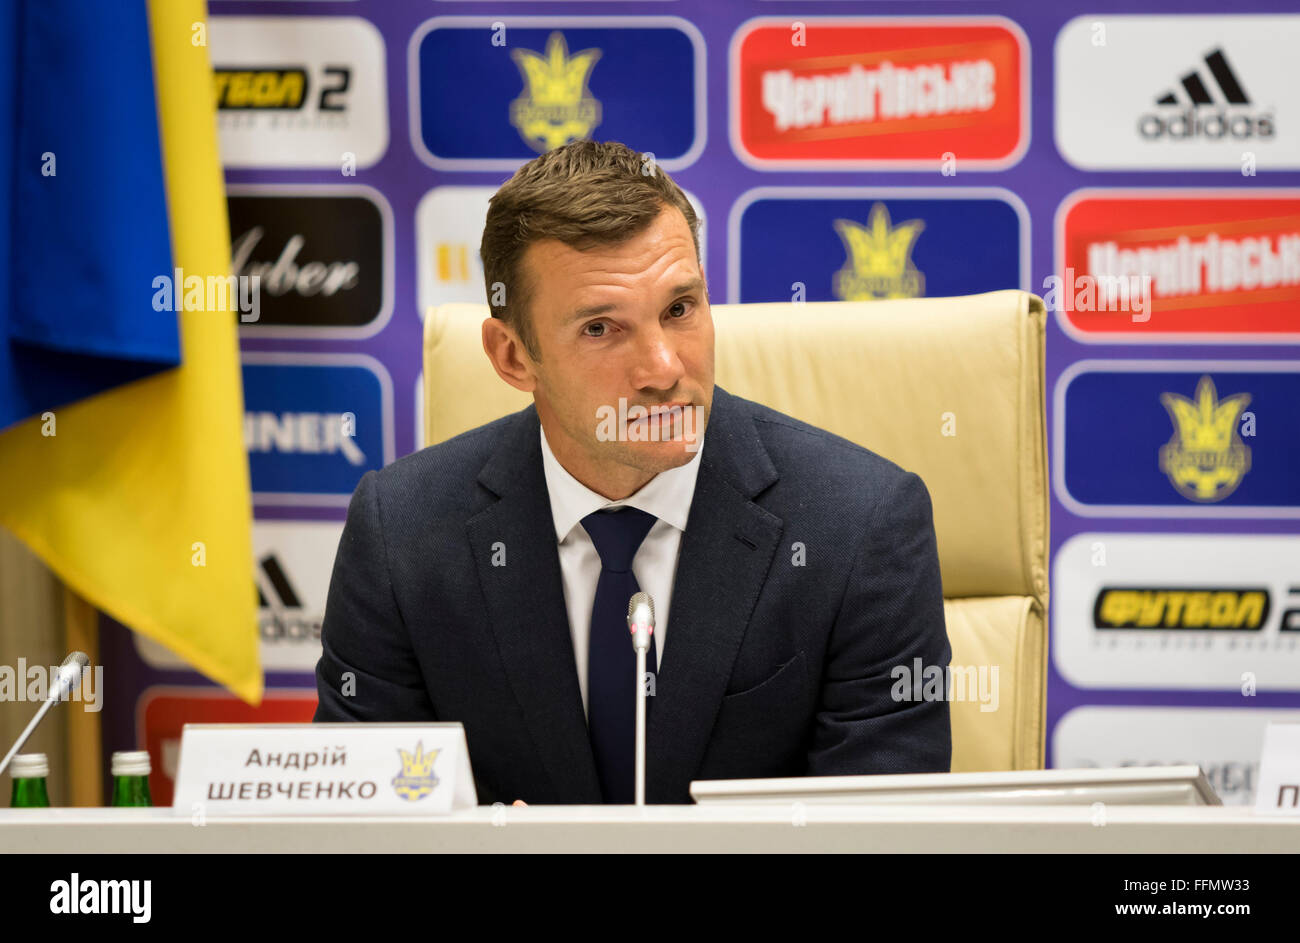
(611, 667)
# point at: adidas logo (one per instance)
(1195, 88)
(280, 611)
(1203, 114)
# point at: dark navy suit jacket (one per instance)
(807, 573)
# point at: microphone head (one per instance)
(646, 605)
(80, 659)
(70, 674)
(641, 620)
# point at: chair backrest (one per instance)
(950, 388)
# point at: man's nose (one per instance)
(657, 364)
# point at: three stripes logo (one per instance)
(280, 612)
(1195, 88)
(1207, 104)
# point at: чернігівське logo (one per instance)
(880, 91)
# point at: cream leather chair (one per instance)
(950, 388)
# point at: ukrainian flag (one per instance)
(122, 461)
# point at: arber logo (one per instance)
(880, 91)
(323, 256)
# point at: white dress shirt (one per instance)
(667, 496)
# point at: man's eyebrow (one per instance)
(591, 311)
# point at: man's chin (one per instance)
(658, 456)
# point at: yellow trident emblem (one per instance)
(879, 258)
(556, 106)
(416, 780)
(1206, 459)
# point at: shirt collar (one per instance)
(667, 495)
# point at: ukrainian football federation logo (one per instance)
(556, 106)
(879, 258)
(1206, 459)
(416, 780)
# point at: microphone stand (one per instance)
(640, 724)
(69, 674)
(641, 623)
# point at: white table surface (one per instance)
(675, 828)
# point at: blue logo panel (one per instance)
(1200, 438)
(551, 85)
(863, 249)
(312, 429)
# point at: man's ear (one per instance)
(508, 356)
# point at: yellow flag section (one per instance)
(140, 500)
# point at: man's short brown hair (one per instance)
(585, 194)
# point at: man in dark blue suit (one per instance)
(485, 579)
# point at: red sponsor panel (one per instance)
(162, 712)
(880, 92)
(1195, 265)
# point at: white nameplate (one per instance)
(1279, 771)
(323, 769)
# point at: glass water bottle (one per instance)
(131, 778)
(29, 771)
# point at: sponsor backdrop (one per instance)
(1137, 164)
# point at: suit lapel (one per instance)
(726, 551)
(525, 600)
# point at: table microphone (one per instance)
(69, 676)
(641, 623)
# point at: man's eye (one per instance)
(675, 306)
(596, 324)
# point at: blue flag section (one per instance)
(544, 87)
(863, 249)
(1225, 437)
(84, 231)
